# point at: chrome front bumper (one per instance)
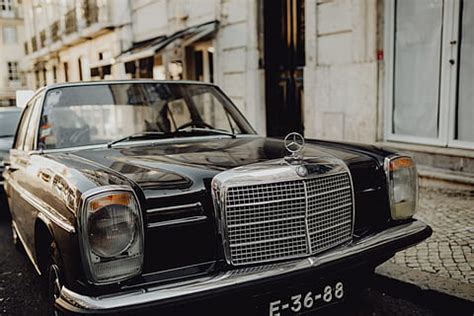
(388, 241)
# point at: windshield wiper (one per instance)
(208, 130)
(134, 136)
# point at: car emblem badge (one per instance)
(294, 143)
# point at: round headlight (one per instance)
(112, 229)
(402, 186)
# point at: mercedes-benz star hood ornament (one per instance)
(294, 143)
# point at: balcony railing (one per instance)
(42, 38)
(34, 45)
(71, 22)
(54, 28)
(91, 13)
(74, 20)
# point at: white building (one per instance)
(393, 72)
(74, 40)
(11, 50)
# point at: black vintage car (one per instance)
(144, 195)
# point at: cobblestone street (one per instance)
(450, 250)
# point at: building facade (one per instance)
(69, 40)
(11, 50)
(392, 72)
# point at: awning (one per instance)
(151, 47)
(142, 49)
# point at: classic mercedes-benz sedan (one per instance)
(152, 195)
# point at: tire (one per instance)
(52, 280)
(53, 288)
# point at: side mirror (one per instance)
(23, 96)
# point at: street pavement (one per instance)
(445, 261)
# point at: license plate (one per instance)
(302, 301)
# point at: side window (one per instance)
(32, 125)
(24, 122)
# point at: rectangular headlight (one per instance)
(111, 235)
(402, 181)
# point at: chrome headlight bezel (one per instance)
(398, 163)
(89, 258)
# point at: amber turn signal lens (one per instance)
(402, 186)
(403, 162)
(113, 199)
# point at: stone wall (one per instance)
(341, 70)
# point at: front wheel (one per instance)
(52, 280)
(54, 288)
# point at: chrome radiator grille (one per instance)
(282, 220)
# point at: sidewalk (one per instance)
(444, 262)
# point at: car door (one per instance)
(22, 201)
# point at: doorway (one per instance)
(284, 59)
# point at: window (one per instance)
(55, 74)
(464, 130)
(66, 71)
(79, 64)
(13, 71)
(30, 138)
(6, 5)
(9, 35)
(429, 72)
(23, 128)
(202, 59)
(98, 113)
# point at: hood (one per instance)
(187, 164)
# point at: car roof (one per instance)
(103, 82)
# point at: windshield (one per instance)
(101, 113)
(8, 121)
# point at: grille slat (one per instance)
(281, 220)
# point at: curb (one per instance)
(446, 295)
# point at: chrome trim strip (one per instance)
(172, 208)
(266, 221)
(306, 223)
(178, 221)
(328, 192)
(266, 202)
(330, 209)
(331, 227)
(265, 241)
(70, 300)
(44, 208)
(27, 250)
